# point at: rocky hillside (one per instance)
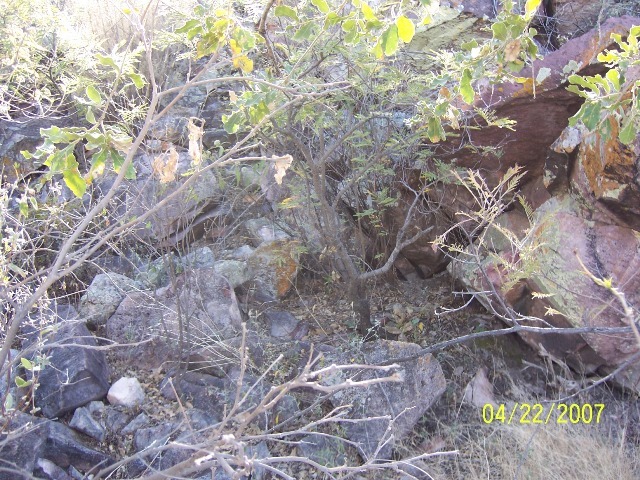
(275, 273)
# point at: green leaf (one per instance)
(26, 363)
(284, 11)
(331, 20)
(499, 31)
(349, 25)
(321, 5)
(531, 6)
(232, 122)
(406, 29)
(614, 77)
(107, 62)
(94, 95)
(389, 40)
(61, 160)
(9, 403)
(118, 161)
(466, 90)
(21, 383)
(352, 37)
(188, 26)
(23, 207)
(591, 115)
(194, 32)
(367, 12)
(75, 182)
(470, 45)
(629, 132)
(91, 118)
(435, 132)
(304, 32)
(137, 79)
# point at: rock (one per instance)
(236, 272)
(261, 230)
(607, 174)
(284, 325)
(115, 420)
(77, 374)
(83, 421)
(200, 390)
(275, 265)
(29, 439)
(541, 114)
(49, 470)
(176, 220)
(327, 451)
(157, 273)
(21, 134)
(209, 313)
(565, 231)
(242, 253)
(103, 297)
(152, 437)
(136, 424)
(126, 392)
(404, 402)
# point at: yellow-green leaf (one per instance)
(75, 182)
(629, 132)
(94, 94)
(21, 383)
(531, 6)
(91, 118)
(26, 363)
(137, 79)
(304, 32)
(321, 5)
(284, 11)
(389, 40)
(367, 12)
(466, 90)
(406, 29)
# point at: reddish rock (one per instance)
(607, 173)
(541, 111)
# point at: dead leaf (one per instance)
(479, 391)
(512, 50)
(196, 130)
(165, 165)
(281, 165)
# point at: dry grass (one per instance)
(544, 452)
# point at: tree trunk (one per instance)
(359, 296)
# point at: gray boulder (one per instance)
(31, 439)
(202, 309)
(403, 402)
(77, 374)
(103, 296)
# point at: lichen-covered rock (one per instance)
(275, 265)
(103, 297)
(235, 271)
(261, 230)
(607, 173)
